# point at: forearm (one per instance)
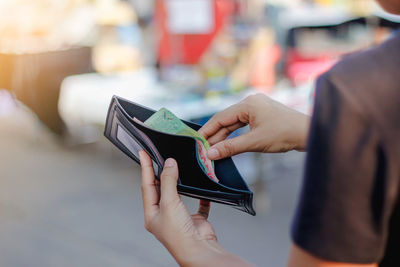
(301, 258)
(207, 253)
(215, 259)
(290, 132)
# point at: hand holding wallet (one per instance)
(131, 136)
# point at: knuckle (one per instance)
(252, 98)
(214, 119)
(228, 148)
(165, 175)
(164, 172)
(257, 97)
(248, 102)
(169, 173)
(254, 101)
(248, 98)
(225, 131)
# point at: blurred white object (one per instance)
(309, 15)
(7, 103)
(84, 99)
(379, 12)
(190, 16)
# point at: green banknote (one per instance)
(165, 121)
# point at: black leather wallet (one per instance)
(131, 136)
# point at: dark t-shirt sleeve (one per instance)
(344, 205)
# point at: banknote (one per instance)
(165, 121)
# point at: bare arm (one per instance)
(301, 258)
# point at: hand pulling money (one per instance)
(165, 121)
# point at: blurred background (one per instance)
(67, 196)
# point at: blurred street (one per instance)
(69, 197)
(81, 205)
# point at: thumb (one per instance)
(230, 147)
(169, 181)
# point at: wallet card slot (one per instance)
(134, 146)
(129, 140)
(142, 138)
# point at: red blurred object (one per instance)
(263, 73)
(301, 69)
(188, 48)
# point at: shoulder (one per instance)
(368, 81)
(369, 66)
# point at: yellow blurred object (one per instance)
(356, 7)
(212, 94)
(115, 12)
(362, 7)
(256, 64)
(324, 2)
(29, 26)
(111, 54)
(111, 58)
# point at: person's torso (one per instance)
(374, 81)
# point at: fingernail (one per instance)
(213, 153)
(169, 163)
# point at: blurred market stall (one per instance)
(176, 53)
(195, 57)
(62, 60)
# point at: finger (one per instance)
(169, 180)
(230, 147)
(150, 195)
(227, 117)
(204, 208)
(223, 133)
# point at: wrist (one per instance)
(198, 251)
(205, 253)
(302, 125)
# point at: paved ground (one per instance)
(81, 205)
